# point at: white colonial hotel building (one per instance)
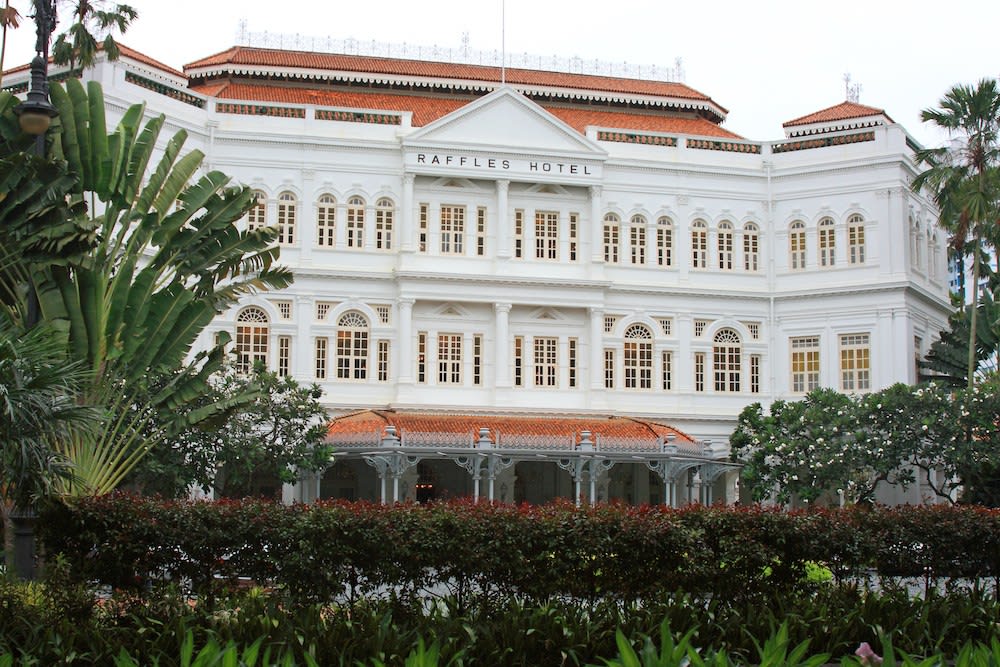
(566, 284)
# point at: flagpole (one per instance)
(503, 42)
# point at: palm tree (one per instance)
(147, 253)
(9, 18)
(79, 43)
(964, 177)
(39, 408)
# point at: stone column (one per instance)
(302, 347)
(407, 222)
(596, 225)
(404, 343)
(502, 342)
(503, 220)
(596, 349)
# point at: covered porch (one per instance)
(389, 456)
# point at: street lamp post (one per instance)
(35, 115)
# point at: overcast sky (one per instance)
(766, 62)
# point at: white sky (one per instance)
(766, 62)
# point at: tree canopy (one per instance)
(831, 445)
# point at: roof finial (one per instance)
(852, 93)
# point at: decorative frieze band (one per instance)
(636, 138)
(823, 142)
(164, 89)
(260, 110)
(358, 117)
(727, 146)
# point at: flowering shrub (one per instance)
(325, 551)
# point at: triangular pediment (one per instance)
(508, 119)
(450, 310)
(548, 314)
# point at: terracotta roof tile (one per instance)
(580, 119)
(559, 428)
(427, 109)
(250, 56)
(143, 58)
(842, 111)
(125, 51)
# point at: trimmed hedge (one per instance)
(326, 551)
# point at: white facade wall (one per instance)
(890, 297)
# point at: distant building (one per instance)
(565, 284)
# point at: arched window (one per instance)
(827, 242)
(286, 218)
(257, 215)
(727, 353)
(725, 245)
(612, 232)
(665, 242)
(918, 246)
(355, 222)
(638, 357)
(251, 338)
(699, 244)
(797, 245)
(932, 256)
(637, 240)
(352, 346)
(326, 221)
(751, 247)
(384, 213)
(856, 239)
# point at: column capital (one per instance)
(502, 307)
(409, 178)
(502, 185)
(406, 301)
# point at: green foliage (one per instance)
(830, 444)
(255, 628)
(964, 179)
(333, 551)
(946, 361)
(38, 409)
(79, 44)
(147, 254)
(280, 434)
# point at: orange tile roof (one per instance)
(126, 52)
(580, 119)
(842, 111)
(143, 58)
(374, 421)
(251, 56)
(427, 109)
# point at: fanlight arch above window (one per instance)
(252, 314)
(638, 332)
(727, 336)
(353, 319)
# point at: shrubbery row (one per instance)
(328, 551)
